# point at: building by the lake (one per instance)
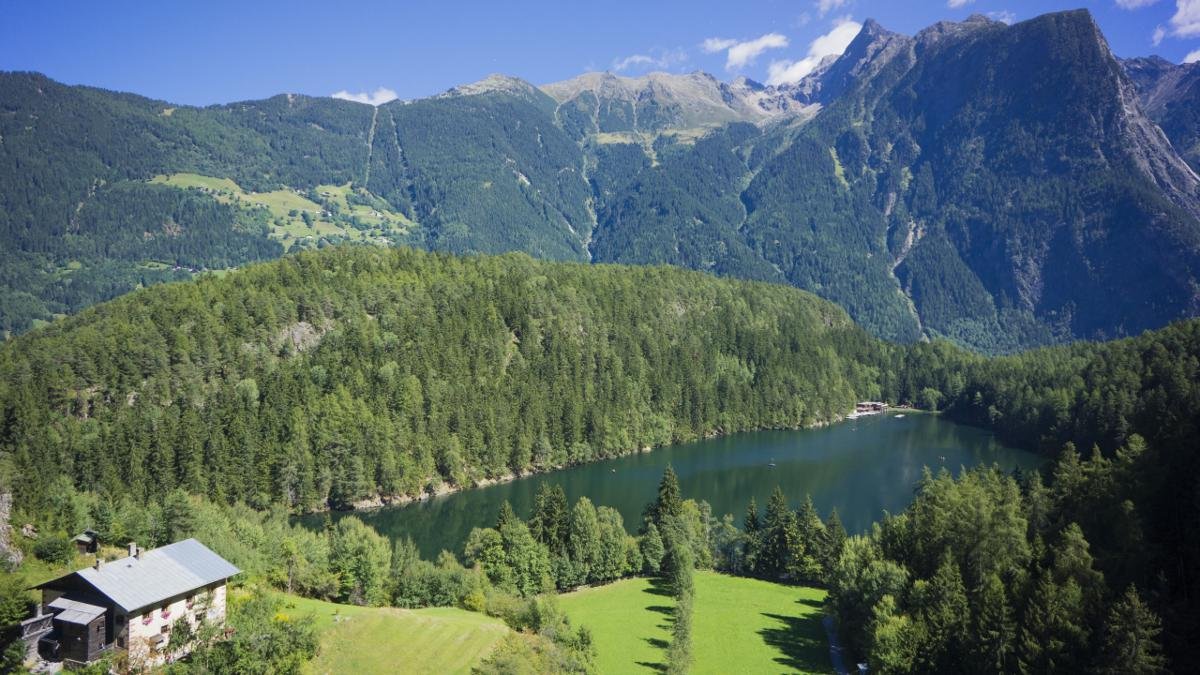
(131, 604)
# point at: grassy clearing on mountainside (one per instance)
(740, 626)
(390, 640)
(286, 209)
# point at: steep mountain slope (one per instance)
(485, 169)
(1005, 172)
(1170, 94)
(999, 185)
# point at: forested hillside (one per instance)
(326, 378)
(1001, 186)
(1087, 567)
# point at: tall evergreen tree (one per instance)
(505, 516)
(1130, 645)
(992, 631)
(549, 523)
(835, 539)
(669, 502)
(781, 550)
(751, 525)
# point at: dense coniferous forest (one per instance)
(324, 379)
(330, 377)
(219, 406)
(923, 215)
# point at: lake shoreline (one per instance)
(369, 504)
(377, 502)
(863, 469)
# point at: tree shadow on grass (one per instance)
(662, 589)
(809, 602)
(800, 639)
(659, 586)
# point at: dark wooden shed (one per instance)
(79, 630)
(87, 542)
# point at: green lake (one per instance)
(863, 467)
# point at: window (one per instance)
(121, 642)
(166, 629)
(165, 611)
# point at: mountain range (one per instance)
(1001, 186)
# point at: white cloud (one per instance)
(631, 61)
(1134, 4)
(834, 42)
(1192, 57)
(826, 6)
(955, 4)
(714, 45)
(1186, 21)
(378, 97)
(1003, 16)
(744, 53)
(657, 58)
(1157, 37)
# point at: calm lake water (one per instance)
(862, 467)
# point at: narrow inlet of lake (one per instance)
(862, 467)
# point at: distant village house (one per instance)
(131, 604)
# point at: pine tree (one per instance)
(505, 516)
(835, 539)
(669, 502)
(1131, 633)
(752, 524)
(781, 550)
(549, 523)
(992, 631)
(944, 613)
(1053, 632)
(652, 549)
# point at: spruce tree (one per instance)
(835, 539)
(505, 516)
(781, 549)
(992, 631)
(669, 502)
(1131, 633)
(549, 522)
(752, 523)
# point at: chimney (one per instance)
(99, 562)
(133, 549)
(139, 552)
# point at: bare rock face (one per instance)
(663, 101)
(1170, 95)
(10, 554)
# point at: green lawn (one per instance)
(390, 640)
(741, 626)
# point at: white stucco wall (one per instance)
(142, 651)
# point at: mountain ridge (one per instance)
(919, 181)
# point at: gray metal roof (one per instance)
(161, 573)
(73, 611)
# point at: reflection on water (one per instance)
(862, 467)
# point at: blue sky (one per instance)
(219, 51)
